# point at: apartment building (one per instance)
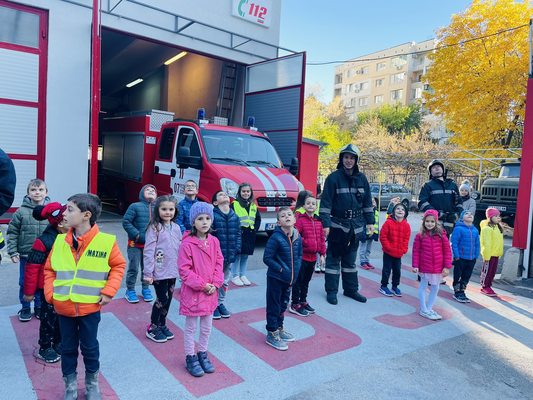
(390, 76)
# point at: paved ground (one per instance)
(377, 350)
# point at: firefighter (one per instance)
(441, 194)
(347, 215)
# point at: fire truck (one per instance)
(154, 148)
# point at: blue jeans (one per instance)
(79, 332)
(277, 299)
(239, 267)
(135, 256)
(364, 251)
(37, 299)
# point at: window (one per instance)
(337, 92)
(417, 93)
(338, 78)
(352, 102)
(19, 27)
(379, 82)
(364, 70)
(188, 138)
(167, 143)
(397, 78)
(364, 85)
(378, 99)
(381, 65)
(396, 95)
(363, 101)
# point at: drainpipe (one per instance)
(95, 94)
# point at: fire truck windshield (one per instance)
(226, 147)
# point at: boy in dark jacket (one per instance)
(21, 233)
(283, 257)
(227, 228)
(49, 335)
(465, 249)
(135, 222)
(394, 239)
(184, 206)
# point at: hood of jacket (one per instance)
(141, 193)
(26, 202)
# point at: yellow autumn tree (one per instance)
(479, 73)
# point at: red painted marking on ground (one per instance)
(329, 338)
(414, 283)
(47, 379)
(171, 354)
(407, 321)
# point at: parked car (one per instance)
(389, 191)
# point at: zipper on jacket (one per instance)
(292, 260)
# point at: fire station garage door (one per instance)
(23, 51)
(274, 96)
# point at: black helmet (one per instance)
(350, 149)
(433, 163)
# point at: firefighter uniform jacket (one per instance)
(346, 207)
(442, 196)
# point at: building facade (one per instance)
(390, 76)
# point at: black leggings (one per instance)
(301, 286)
(163, 290)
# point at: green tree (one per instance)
(479, 73)
(396, 119)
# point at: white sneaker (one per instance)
(245, 281)
(427, 315)
(317, 267)
(435, 314)
(237, 281)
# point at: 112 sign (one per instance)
(256, 11)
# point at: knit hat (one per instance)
(465, 186)
(198, 208)
(404, 208)
(433, 213)
(461, 217)
(492, 212)
(53, 212)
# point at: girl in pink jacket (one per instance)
(432, 259)
(200, 263)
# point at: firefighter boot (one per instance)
(91, 386)
(350, 284)
(331, 284)
(71, 386)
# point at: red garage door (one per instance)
(23, 60)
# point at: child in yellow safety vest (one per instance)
(250, 219)
(82, 273)
(365, 247)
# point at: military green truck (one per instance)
(500, 193)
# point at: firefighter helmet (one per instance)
(433, 163)
(351, 149)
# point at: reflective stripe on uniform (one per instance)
(346, 190)
(86, 290)
(64, 275)
(92, 275)
(332, 271)
(325, 210)
(368, 209)
(62, 289)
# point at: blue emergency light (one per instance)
(201, 114)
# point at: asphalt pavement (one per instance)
(379, 350)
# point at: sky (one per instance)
(345, 29)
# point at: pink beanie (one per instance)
(492, 212)
(433, 213)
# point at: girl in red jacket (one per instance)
(432, 259)
(394, 237)
(313, 241)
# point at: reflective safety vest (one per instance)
(301, 210)
(81, 282)
(247, 220)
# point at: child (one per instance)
(311, 231)
(283, 257)
(49, 335)
(394, 238)
(491, 249)
(465, 249)
(200, 263)
(299, 210)
(82, 273)
(135, 221)
(184, 206)
(432, 259)
(227, 228)
(365, 247)
(469, 204)
(163, 238)
(250, 219)
(21, 233)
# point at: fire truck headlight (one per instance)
(229, 186)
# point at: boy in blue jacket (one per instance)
(283, 257)
(135, 221)
(465, 248)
